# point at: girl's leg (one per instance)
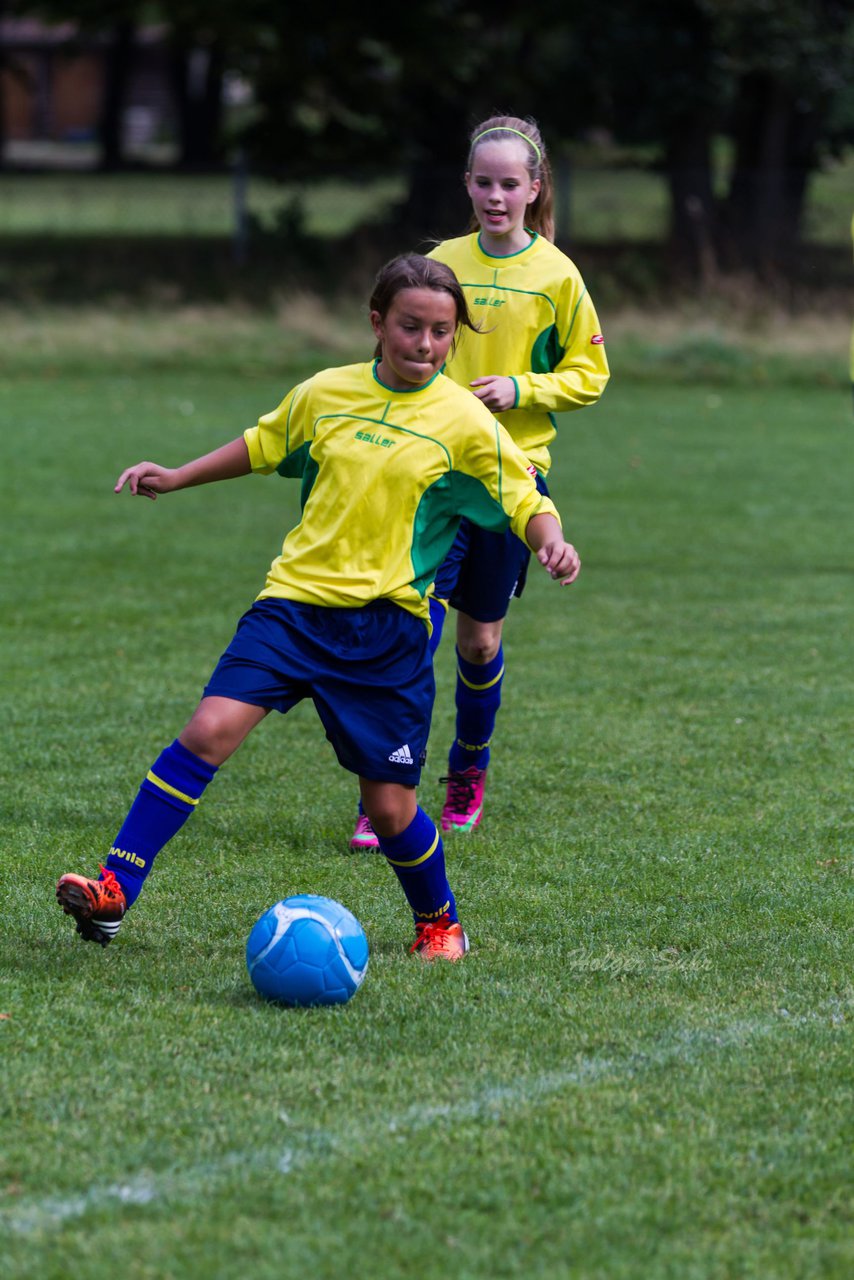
(364, 839)
(168, 795)
(480, 670)
(391, 806)
(413, 848)
(218, 726)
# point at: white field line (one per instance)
(174, 1185)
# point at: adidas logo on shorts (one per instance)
(402, 755)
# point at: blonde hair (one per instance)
(540, 215)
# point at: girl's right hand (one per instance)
(497, 392)
(561, 560)
(146, 480)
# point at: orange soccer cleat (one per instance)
(440, 940)
(96, 905)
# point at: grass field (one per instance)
(596, 203)
(643, 1069)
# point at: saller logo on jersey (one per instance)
(597, 339)
(374, 437)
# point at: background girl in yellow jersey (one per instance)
(539, 352)
(390, 454)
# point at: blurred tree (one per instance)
(790, 61)
(659, 81)
(766, 75)
(206, 39)
(345, 88)
(342, 87)
(118, 64)
(339, 91)
(402, 89)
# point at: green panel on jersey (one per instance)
(547, 352)
(300, 463)
(437, 520)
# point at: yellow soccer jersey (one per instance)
(386, 476)
(538, 326)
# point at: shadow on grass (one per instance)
(173, 270)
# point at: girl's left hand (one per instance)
(561, 560)
(146, 480)
(496, 392)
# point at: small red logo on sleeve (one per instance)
(597, 339)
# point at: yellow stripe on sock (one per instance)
(417, 861)
(469, 685)
(172, 791)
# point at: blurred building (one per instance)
(54, 78)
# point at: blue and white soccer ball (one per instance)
(307, 950)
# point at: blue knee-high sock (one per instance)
(478, 698)
(418, 860)
(164, 802)
(438, 614)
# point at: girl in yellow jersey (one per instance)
(539, 352)
(391, 454)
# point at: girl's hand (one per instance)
(146, 480)
(496, 392)
(561, 560)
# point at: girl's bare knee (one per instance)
(218, 726)
(479, 649)
(389, 807)
(478, 642)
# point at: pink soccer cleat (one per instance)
(463, 807)
(364, 838)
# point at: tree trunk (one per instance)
(692, 238)
(118, 60)
(775, 153)
(197, 76)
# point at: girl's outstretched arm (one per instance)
(558, 558)
(147, 479)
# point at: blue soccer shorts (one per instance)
(367, 670)
(483, 571)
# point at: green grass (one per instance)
(596, 204)
(643, 1067)
(163, 204)
(831, 202)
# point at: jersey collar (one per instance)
(496, 259)
(397, 391)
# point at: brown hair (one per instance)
(540, 215)
(413, 271)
